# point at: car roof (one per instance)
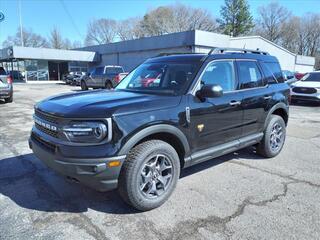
(194, 57)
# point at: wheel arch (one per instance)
(167, 133)
(279, 109)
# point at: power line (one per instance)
(71, 18)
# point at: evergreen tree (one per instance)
(236, 18)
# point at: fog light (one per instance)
(114, 163)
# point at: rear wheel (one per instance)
(84, 86)
(108, 85)
(274, 137)
(149, 175)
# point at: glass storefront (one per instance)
(36, 70)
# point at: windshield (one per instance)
(159, 77)
(311, 77)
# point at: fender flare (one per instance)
(280, 105)
(159, 128)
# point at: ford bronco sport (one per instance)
(138, 137)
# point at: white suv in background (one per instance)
(307, 89)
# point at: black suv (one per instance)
(139, 136)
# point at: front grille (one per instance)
(46, 116)
(48, 120)
(49, 146)
(47, 131)
(305, 90)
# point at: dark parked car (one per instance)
(6, 88)
(73, 78)
(289, 77)
(138, 137)
(102, 77)
(16, 75)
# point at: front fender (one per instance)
(159, 128)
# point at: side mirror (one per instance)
(210, 91)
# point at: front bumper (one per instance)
(93, 172)
(305, 97)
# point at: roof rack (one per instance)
(244, 50)
(172, 53)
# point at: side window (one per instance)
(249, 75)
(221, 73)
(98, 71)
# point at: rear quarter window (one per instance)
(275, 69)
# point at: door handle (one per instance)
(267, 97)
(234, 103)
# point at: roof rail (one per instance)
(172, 53)
(244, 50)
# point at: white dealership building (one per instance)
(51, 64)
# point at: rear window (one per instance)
(114, 70)
(276, 70)
(2, 71)
(99, 71)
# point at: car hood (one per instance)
(306, 84)
(104, 103)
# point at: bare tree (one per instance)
(188, 18)
(30, 39)
(311, 24)
(101, 31)
(129, 29)
(177, 18)
(55, 39)
(76, 44)
(290, 34)
(270, 21)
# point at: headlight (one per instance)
(86, 132)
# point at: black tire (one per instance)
(130, 186)
(266, 148)
(9, 100)
(84, 86)
(108, 85)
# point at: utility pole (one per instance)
(20, 18)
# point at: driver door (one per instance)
(216, 121)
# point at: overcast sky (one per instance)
(72, 16)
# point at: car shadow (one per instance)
(31, 185)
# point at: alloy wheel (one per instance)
(155, 176)
(276, 137)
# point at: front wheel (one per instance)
(149, 175)
(274, 137)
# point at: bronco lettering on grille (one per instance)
(45, 124)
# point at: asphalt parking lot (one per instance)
(238, 196)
